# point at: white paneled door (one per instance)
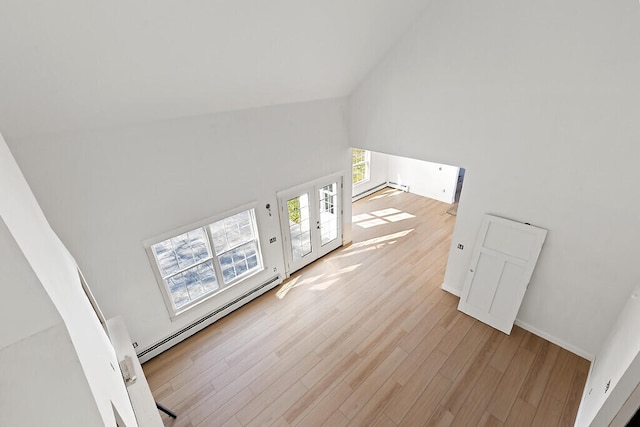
(501, 267)
(311, 221)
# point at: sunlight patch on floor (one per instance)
(399, 217)
(362, 217)
(385, 212)
(344, 270)
(373, 244)
(286, 287)
(380, 217)
(295, 282)
(387, 193)
(324, 285)
(381, 239)
(316, 281)
(372, 223)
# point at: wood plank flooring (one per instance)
(366, 337)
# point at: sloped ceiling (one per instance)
(75, 64)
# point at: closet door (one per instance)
(501, 267)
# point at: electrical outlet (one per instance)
(272, 240)
(460, 246)
(134, 344)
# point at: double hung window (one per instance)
(360, 165)
(197, 263)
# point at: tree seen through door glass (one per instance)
(299, 226)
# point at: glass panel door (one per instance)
(327, 211)
(299, 226)
(311, 221)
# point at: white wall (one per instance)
(539, 102)
(427, 179)
(106, 191)
(617, 363)
(56, 362)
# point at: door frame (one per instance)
(312, 187)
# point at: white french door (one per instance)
(311, 221)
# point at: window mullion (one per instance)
(202, 261)
(237, 246)
(214, 259)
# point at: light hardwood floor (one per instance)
(365, 336)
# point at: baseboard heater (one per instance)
(207, 320)
(365, 193)
(397, 186)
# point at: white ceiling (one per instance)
(73, 64)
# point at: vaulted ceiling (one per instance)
(74, 64)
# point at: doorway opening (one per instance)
(379, 175)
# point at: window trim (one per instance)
(367, 166)
(175, 312)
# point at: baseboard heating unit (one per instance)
(389, 184)
(365, 193)
(397, 186)
(207, 320)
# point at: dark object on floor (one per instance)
(166, 411)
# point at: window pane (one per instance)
(359, 173)
(299, 226)
(232, 231)
(229, 274)
(181, 251)
(192, 284)
(166, 258)
(328, 217)
(208, 276)
(360, 162)
(226, 260)
(178, 290)
(239, 261)
(252, 262)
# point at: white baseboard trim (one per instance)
(557, 341)
(573, 349)
(451, 290)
